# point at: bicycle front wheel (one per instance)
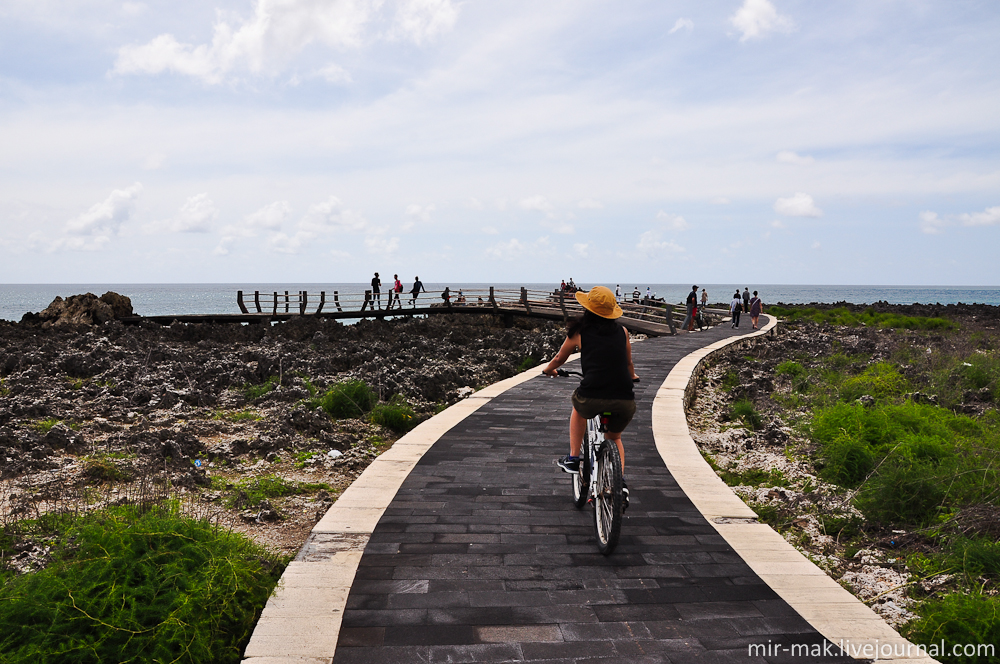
(608, 498)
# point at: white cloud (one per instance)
(537, 202)
(651, 246)
(334, 73)
(279, 30)
(672, 221)
(682, 24)
(420, 21)
(193, 217)
(106, 218)
(789, 157)
(798, 205)
(320, 220)
(514, 249)
(590, 204)
(581, 250)
(988, 217)
(815, 245)
(756, 18)
(931, 223)
(271, 217)
(420, 212)
(376, 242)
(777, 223)
(563, 228)
(476, 204)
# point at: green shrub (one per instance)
(526, 363)
(880, 380)
(902, 491)
(103, 469)
(754, 477)
(744, 410)
(958, 618)
(133, 585)
(789, 368)
(352, 398)
(254, 392)
(974, 558)
(843, 316)
(252, 491)
(44, 426)
(238, 416)
(847, 461)
(397, 414)
(730, 381)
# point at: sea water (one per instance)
(176, 299)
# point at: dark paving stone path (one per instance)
(481, 556)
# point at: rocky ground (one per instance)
(872, 568)
(94, 412)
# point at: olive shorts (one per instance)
(621, 410)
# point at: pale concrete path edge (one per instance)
(301, 622)
(825, 604)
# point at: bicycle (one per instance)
(599, 480)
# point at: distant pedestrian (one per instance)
(704, 298)
(377, 290)
(562, 286)
(618, 293)
(635, 295)
(756, 308)
(648, 293)
(746, 300)
(692, 304)
(415, 291)
(397, 288)
(735, 307)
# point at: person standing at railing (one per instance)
(377, 290)
(618, 293)
(704, 298)
(418, 286)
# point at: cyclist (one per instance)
(608, 372)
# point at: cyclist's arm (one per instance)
(628, 354)
(568, 348)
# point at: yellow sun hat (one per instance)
(601, 301)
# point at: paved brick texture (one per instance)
(482, 557)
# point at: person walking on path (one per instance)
(735, 307)
(377, 290)
(704, 298)
(397, 288)
(756, 308)
(608, 373)
(746, 300)
(618, 293)
(692, 303)
(418, 286)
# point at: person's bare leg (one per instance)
(577, 428)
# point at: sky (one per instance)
(660, 141)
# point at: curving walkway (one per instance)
(480, 556)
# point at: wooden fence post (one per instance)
(493, 300)
(562, 305)
(274, 304)
(368, 298)
(336, 300)
(239, 301)
(524, 300)
(322, 301)
(670, 318)
(286, 302)
(256, 300)
(303, 298)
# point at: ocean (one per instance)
(168, 299)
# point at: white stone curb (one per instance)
(825, 604)
(301, 622)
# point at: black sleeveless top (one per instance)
(604, 360)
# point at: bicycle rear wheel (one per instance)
(608, 498)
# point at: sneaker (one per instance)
(624, 496)
(570, 464)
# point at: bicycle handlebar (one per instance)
(566, 373)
